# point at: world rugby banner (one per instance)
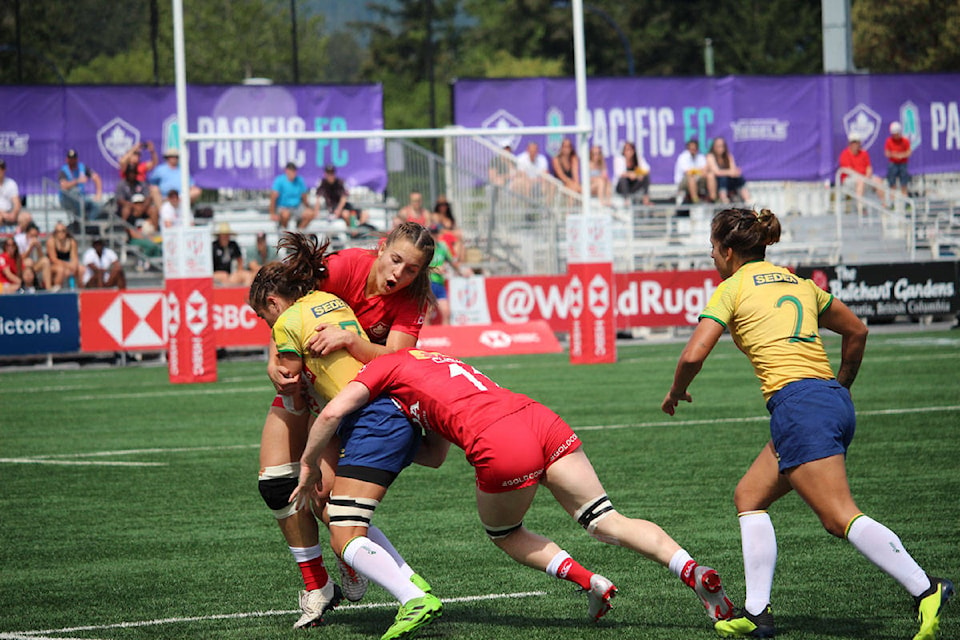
(40, 123)
(779, 128)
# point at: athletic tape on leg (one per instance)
(276, 484)
(345, 511)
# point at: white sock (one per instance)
(380, 538)
(883, 548)
(303, 554)
(555, 563)
(759, 543)
(678, 562)
(374, 562)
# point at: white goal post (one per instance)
(581, 130)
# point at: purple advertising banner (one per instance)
(779, 128)
(40, 124)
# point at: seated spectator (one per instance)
(133, 201)
(64, 261)
(33, 258)
(10, 279)
(690, 174)
(10, 202)
(532, 168)
(75, 196)
(288, 197)
(599, 178)
(449, 232)
(261, 253)
(633, 174)
(897, 150)
(333, 193)
(728, 180)
(166, 177)
(228, 259)
(855, 162)
(413, 211)
(134, 158)
(500, 170)
(566, 166)
(102, 268)
(170, 210)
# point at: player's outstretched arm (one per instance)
(699, 346)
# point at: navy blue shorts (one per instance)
(810, 420)
(439, 290)
(377, 437)
(897, 172)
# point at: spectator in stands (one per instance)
(500, 170)
(166, 177)
(74, 191)
(633, 174)
(102, 268)
(450, 233)
(413, 211)
(727, 180)
(134, 158)
(288, 196)
(855, 163)
(566, 166)
(133, 201)
(170, 210)
(532, 168)
(897, 150)
(10, 280)
(228, 266)
(261, 253)
(691, 176)
(33, 258)
(63, 255)
(10, 203)
(599, 178)
(333, 193)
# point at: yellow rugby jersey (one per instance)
(326, 374)
(773, 317)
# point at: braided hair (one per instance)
(746, 231)
(295, 275)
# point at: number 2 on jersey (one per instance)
(796, 337)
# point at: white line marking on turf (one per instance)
(125, 452)
(40, 635)
(99, 463)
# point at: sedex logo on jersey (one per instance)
(770, 278)
(327, 307)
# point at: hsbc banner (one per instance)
(590, 267)
(188, 274)
(235, 323)
(122, 321)
(39, 323)
(643, 299)
(191, 349)
(489, 339)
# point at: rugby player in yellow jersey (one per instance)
(775, 317)
(383, 441)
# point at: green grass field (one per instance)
(130, 506)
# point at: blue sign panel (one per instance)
(39, 323)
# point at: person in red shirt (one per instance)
(388, 290)
(514, 444)
(856, 162)
(10, 278)
(897, 150)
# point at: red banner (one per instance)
(191, 349)
(489, 340)
(592, 332)
(643, 299)
(114, 320)
(235, 324)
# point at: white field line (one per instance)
(70, 458)
(40, 635)
(98, 463)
